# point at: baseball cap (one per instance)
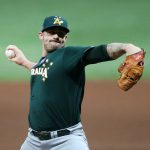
(55, 21)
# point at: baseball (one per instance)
(9, 53)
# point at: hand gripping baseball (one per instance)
(131, 70)
(18, 56)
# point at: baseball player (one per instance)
(57, 86)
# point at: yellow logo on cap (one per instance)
(58, 21)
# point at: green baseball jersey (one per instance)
(57, 86)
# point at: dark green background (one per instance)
(91, 23)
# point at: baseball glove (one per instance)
(131, 70)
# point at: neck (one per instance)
(44, 53)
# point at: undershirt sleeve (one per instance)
(95, 55)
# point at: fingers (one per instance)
(10, 47)
(13, 48)
(17, 53)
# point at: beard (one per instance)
(52, 45)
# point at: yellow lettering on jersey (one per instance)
(36, 71)
(32, 72)
(40, 71)
(44, 72)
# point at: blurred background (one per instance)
(113, 119)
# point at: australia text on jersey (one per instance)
(39, 71)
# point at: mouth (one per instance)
(56, 41)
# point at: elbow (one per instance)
(128, 46)
(131, 49)
(116, 55)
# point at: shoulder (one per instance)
(75, 49)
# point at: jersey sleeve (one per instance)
(95, 55)
(73, 56)
(82, 56)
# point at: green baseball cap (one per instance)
(55, 21)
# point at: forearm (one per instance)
(116, 50)
(28, 64)
(19, 57)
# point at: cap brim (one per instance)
(54, 27)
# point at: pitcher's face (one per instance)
(53, 39)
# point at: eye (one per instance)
(51, 32)
(61, 34)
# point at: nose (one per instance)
(56, 35)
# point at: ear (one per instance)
(65, 38)
(40, 35)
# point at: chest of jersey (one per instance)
(56, 92)
(50, 67)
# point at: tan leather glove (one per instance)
(131, 70)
